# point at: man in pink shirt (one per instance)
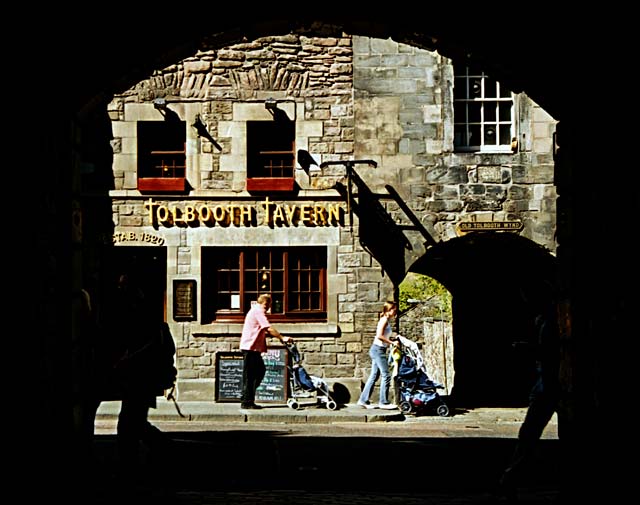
(252, 344)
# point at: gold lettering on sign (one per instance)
(132, 236)
(290, 211)
(267, 211)
(278, 215)
(246, 214)
(490, 226)
(305, 213)
(274, 214)
(205, 213)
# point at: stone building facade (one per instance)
(344, 98)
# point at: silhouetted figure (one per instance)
(138, 374)
(545, 394)
(85, 380)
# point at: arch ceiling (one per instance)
(504, 258)
(529, 52)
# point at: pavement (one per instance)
(352, 456)
(211, 416)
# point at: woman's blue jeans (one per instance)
(379, 366)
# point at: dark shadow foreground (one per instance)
(270, 467)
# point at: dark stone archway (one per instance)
(566, 63)
(487, 274)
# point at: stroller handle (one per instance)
(290, 345)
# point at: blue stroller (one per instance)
(305, 386)
(417, 393)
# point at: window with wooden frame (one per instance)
(483, 113)
(270, 155)
(233, 277)
(162, 156)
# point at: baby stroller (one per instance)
(305, 386)
(416, 392)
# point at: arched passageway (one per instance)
(487, 275)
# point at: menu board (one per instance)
(228, 376)
(274, 386)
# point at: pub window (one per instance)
(270, 155)
(483, 113)
(161, 156)
(233, 277)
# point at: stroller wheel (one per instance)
(331, 405)
(293, 404)
(443, 410)
(405, 407)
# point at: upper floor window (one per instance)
(234, 276)
(483, 112)
(270, 155)
(161, 156)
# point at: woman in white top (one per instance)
(379, 360)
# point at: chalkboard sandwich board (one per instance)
(228, 376)
(274, 386)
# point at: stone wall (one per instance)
(404, 121)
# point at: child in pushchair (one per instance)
(304, 385)
(416, 392)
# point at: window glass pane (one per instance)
(264, 260)
(264, 280)
(460, 135)
(251, 281)
(224, 282)
(250, 260)
(316, 301)
(474, 112)
(224, 301)
(475, 87)
(474, 135)
(504, 92)
(277, 260)
(460, 87)
(490, 135)
(505, 111)
(277, 304)
(505, 134)
(247, 299)
(304, 281)
(230, 260)
(277, 281)
(490, 88)
(490, 111)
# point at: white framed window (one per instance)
(483, 113)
